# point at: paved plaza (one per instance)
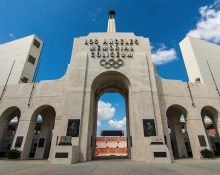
(111, 167)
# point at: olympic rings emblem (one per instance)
(111, 63)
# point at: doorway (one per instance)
(9, 122)
(177, 128)
(41, 132)
(210, 121)
(109, 121)
(111, 130)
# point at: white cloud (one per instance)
(164, 55)
(99, 123)
(105, 111)
(39, 119)
(207, 120)
(12, 36)
(182, 119)
(118, 124)
(14, 120)
(208, 26)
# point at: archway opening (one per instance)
(8, 126)
(104, 87)
(177, 128)
(41, 129)
(210, 121)
(111, 131)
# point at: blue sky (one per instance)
(111, 113)
(57, 22)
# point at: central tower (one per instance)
(111, 21)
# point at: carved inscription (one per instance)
(111, 52)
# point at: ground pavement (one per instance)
(111, 167)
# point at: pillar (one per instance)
(45, 133)
(195, 128)
(180, 139)
(168, 139)
(174, 146)
(3, 127)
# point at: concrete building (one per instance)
(165, 118)
(18, 60)
(201, 60)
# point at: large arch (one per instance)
(177, 127)
(40, 132)
(210, 118)
(9, 120)
(110, 81)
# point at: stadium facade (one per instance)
(166, 119)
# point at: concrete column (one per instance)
(168, 140)
(158, 118)
(128, 127)
(207, 135)
(218, 125)
(45, 133)
(180, 140)
(141, 107)
(3, 127)
(25, 129)
(56, 133)
(131, 126)
(174, 147)
(48, 142)
(85, 136)
(194, 128)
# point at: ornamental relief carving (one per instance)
(111, 52)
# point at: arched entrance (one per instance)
(8, 126)
(108, 82)
(41, 131)
(177, 127)
(111, 132)
(210, 120)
